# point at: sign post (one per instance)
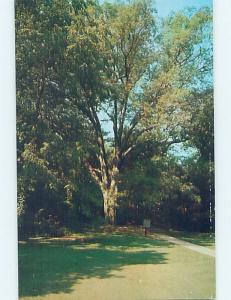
(146, 224)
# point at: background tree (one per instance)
(50, 131)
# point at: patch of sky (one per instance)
(182, 151)
(166, 7)
(107, 124)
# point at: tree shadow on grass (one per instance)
(55, 267)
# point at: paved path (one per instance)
(193, 247)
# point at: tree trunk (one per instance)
(110, 195)
(109, 199)
(108, 183)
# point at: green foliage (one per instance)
(81, 65)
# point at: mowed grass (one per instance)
(114, 266)
(201, 239)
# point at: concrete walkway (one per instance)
(193, 247)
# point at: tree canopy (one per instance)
(103, 93)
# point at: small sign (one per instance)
(147, 223)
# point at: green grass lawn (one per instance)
(201, 239)
(113, 265)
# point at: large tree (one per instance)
(127, 71)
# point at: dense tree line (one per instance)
(104, 95)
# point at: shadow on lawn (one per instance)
(55, 267)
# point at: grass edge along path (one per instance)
(188, 245)
(198, 238)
